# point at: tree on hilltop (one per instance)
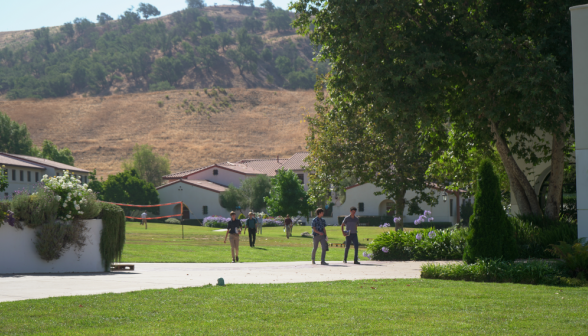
(243, 2)
(102, 18)
(195, 3)
(148, 10)
(268, 5)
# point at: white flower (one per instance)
(58, 198)
(80, 212)
(67, 216)
(89, 190)
(65, 205)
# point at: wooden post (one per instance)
(182, 218)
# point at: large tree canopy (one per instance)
(149, 165)
(497, 71)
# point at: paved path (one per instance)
(176, 275)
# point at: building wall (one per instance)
(373, 205)
(193, 197)
(224, 177)
(306, 178)
(17, 184)
(19, 255)
(580, 57)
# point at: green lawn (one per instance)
(366, 307)
(164, 243)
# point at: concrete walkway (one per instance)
(176, 275)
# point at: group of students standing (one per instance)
(319, 233)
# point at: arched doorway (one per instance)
(387, 208)
(185, 213)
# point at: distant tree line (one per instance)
(87, 57)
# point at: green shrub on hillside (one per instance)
(491, 234)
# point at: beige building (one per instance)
(25, 172)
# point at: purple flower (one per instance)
(419, 236)
(432, 234)
(365, 254)
(431, 219)
(386, 225)
(10, 218)
(427, 213)
(397, 220)
(385, 249)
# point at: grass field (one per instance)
(366, 307)
(164, 243)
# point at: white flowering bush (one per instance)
(75, 198)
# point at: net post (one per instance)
(182, 218)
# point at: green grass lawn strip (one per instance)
(412, 307)
(164, 243)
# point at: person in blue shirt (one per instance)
(319, 233)
(250, 225)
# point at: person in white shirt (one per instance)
(144, 219)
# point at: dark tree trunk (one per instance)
(553, 202)
(521, 187)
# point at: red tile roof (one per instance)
(198, 183)
(250, 166)
(10, 161)
(267, 167)
(296, 161)
(45, 162)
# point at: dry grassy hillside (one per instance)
(193, 130)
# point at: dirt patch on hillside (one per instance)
(194, 130)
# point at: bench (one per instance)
(122, 267)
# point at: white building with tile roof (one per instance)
(25, 172)
(199, 189)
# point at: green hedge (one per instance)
(112, 239)
(379, 220)
(528, 272)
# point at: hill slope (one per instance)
(194, 130)
(224, 46)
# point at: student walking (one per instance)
(234, 230)
(250, 225)
(319, 233)
(351, 222)
(259, 224)
(288, 226)
(144, 219)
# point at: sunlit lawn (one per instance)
(164, 243)
(365, 307)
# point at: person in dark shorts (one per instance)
(250, 224)
(288, 226)
(319, 235)
(234, 230)
(350, 223)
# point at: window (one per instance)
(360, 207)
(29, 176)
(215, 172)
(22, 175)
(301, 177)
(36, 176)
(451, 207)
(14, 174)
(205, 210)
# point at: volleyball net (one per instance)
(133, 211)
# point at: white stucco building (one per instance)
(199, 190)
(580, 65)
(25, 172)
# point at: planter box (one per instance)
(19, 255)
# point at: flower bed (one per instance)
(428, 244)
